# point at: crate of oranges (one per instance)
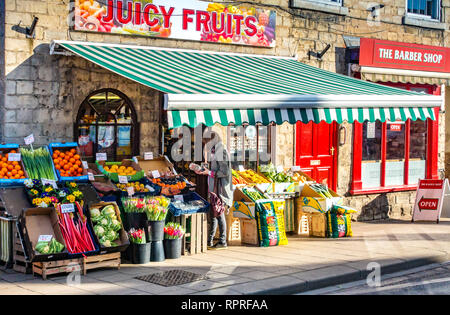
(126, 168)
(67, 162)
(12, 173)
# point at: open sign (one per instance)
(395, 127)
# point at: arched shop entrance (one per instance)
(107, 122)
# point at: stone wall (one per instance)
(43, 93)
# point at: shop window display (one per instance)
(249, 146)
(107, 122)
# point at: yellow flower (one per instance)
(71, 198)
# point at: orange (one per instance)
(76, 156)
(57, 166)
(15, 163)
(73, 151)
(17, 167)
(62, 155)
(66, 167)
(4, 160)
(78, 162)
(12, 151)
(56, 161)
(10, 167)
(72, 160)
(20, 173)
(22, 177)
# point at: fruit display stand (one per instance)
(127, 168)
(12, 170)
(66, 159)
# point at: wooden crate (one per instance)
(249, 231)
(196, 223)
(77, 264)
(318, 224)
(20, 262)
(233, 230)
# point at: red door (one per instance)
(316, 151)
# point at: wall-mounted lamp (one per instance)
(28, 31)
(374, 10)
(318, 55)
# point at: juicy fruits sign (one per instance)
(180, 19)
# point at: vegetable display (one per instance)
(38, 163)
(173, 231)
(171, 185)
(253, 194)
(10, 169)
(74, 230)
(68, 162)
(137, 186)
(237, 179)
(251, 177)
(52, 247)
(271, 173)
(106, 225)
(322, 190)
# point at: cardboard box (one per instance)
(310, 201)
(41, 221)
(160, 164)
(122, 242)
(243, 206)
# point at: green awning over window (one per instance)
(213, 87)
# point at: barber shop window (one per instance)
(428, 9)
(107, 122)
(250, 146)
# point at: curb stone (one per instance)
(308, 285)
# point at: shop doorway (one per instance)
(316, 151)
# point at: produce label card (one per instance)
(135, 160)
(295, 168)
(49, 182)
(91, 177)
(156, 174)
(29, 140)
(123, 179)
(85, 165)
(148, 156)
(241, 168)
(14, 157)
(280, 168)
(67, 208)
(45, 238)
(130, 191)
(179, 197)
(101, 157)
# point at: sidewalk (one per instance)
(304, 264)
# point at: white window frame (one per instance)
(423, 16)
(330, 2)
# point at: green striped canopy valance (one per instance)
(213, 87)
(193, 118)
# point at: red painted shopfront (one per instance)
(393, 156)
(386, 156)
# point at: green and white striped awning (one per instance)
(208, 117)
(212, 87)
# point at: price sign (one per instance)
(123, 179)
(101, 157)
(155, 174)
(91, 177)
(135, 160)
(179, 197)
(175, 172)
(295, 168)
(67, 208)
(49, 182)
(45, 238)
(148, 156)
(280, 168)
(130, 191)
(29, 140)
(241, 168)
(14, 157)
(85, 165)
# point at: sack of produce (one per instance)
(339, 223)
(267, 224)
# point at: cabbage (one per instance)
(42, 247)
(106, 243)
(105, 222)
(99, 230)
(109, 211)
(95, 214)
(111, 235)
(115, 225)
